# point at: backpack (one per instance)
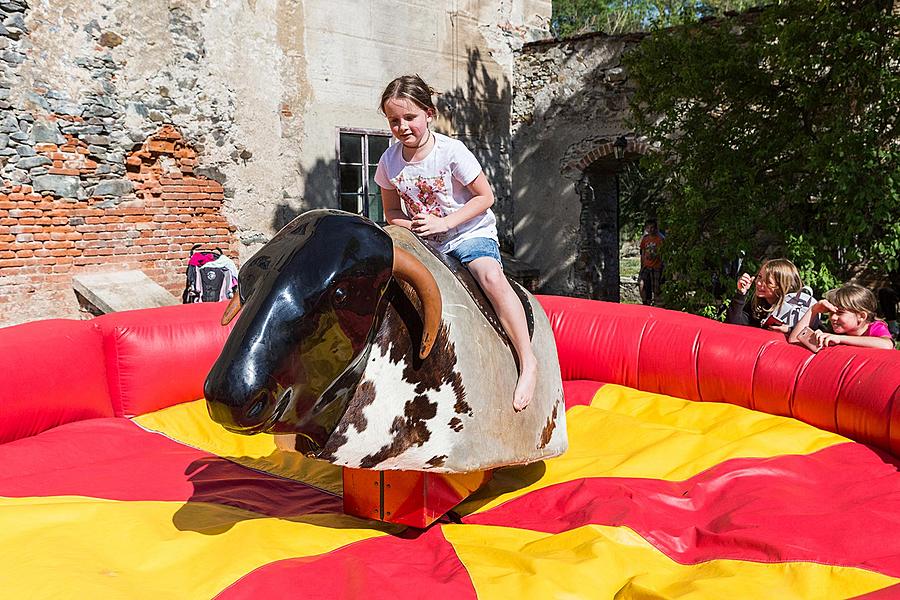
(210, 277)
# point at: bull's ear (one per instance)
(233, 308)
(408, 268)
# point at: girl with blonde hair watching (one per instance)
(779, 300)
(852, 317)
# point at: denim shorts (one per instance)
(472, 248)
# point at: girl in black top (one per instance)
(778, 301)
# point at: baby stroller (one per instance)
(210, 276)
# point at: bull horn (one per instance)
(233, 308)
(409, 269)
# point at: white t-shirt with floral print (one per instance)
(437, 185)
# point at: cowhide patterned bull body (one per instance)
(375, 373)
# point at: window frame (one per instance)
(364, 147)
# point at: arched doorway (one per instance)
(597, 266)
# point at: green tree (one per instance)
(571, 17)
(778, 136)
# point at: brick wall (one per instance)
(149, 221)
(95, 175)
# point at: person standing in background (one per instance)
(651, 263)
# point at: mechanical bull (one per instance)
(378, 353)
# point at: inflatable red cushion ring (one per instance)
(704, 460)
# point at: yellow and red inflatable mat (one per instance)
(657, 498)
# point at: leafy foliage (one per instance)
(571, 17)
(640, 197)
(778, 136)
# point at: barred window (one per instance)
(358, 151)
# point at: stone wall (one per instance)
(95, 176)
(62, 221)
(569, 105)
(131, 130)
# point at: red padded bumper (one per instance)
(53, 373)
(849, 391)
(159, 357)
(121, 364)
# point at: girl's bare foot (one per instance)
(526, 384)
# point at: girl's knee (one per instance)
(491, 277)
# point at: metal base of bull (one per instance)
(414, 498)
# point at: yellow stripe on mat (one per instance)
(629, 433)
(190, 424)
(615, 562)
(74, 547)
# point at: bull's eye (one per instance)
(340, 296)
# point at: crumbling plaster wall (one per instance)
(127, 130)
(570, 102)
(213, 69)
(145, 114)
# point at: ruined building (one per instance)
(130, 131)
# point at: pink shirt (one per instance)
(878, 329)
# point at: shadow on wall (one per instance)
(568, 112)
(569, 237)
(478, 111)
(320, 183)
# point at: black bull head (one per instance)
(310, 302)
